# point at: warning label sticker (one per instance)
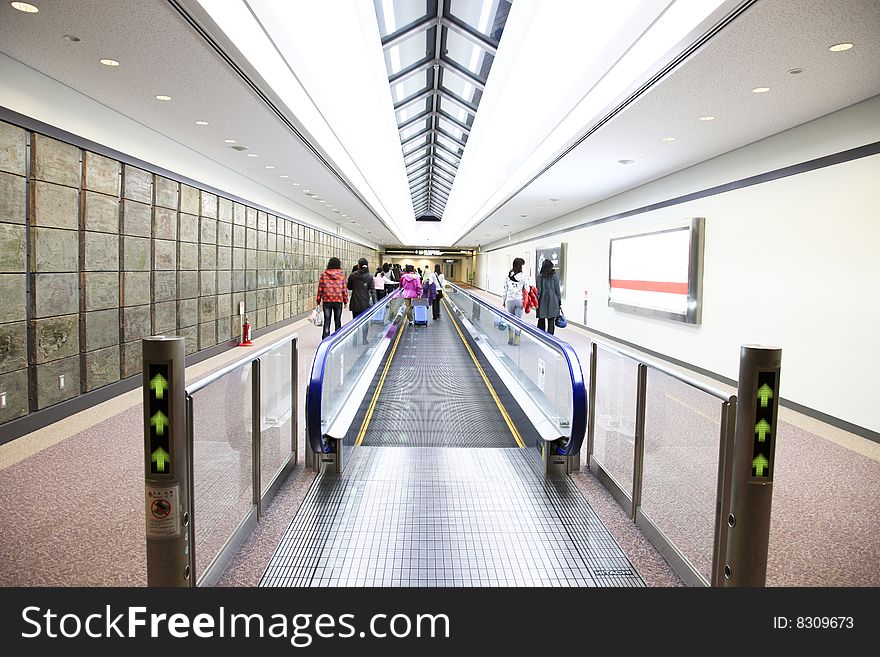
(163, 511)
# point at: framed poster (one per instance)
(659, 273)
(555, 254)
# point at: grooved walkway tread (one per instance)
(446, 517)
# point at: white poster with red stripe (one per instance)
(650, 272)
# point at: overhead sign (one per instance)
(159, 412)
(765, 426)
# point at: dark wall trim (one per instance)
(39, 419)
(34, 125)
(798, 408)
(802, 167)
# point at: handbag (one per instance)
(561, 322)
(316, 317)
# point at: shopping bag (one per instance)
(316, 317)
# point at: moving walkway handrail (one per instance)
(314, 391)
(578, 385)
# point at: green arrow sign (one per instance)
(760, 464)
(160, 421)
(159, 384)
(762, 429)
(160, 458)
(765, 394)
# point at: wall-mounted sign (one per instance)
(658, 273)
(556, 255)
(428, 252)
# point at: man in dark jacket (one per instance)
(359, 282)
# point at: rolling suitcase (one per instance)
(420, 312)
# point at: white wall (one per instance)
(793, 263)
(29, 92)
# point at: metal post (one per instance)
(748, 533)
(294, 399)
(639, 438)
(167, 464)
(722, 496)
(591, 403)
(256, 421)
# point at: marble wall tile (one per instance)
(54, 161)
(13, 193)
(100, 174)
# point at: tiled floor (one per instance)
(424, 516)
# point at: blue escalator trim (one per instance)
(314, 394)
(578, 385)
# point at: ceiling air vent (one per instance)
(239, 148)
(428, 217)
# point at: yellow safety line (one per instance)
(516, 436)
(369, 415)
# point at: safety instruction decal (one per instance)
(163, 511)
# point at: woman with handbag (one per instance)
(549, 298)
(438, 280)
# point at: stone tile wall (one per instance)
(95, 254)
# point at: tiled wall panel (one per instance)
(115, 253)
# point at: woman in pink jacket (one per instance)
(412, 289)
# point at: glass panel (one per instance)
(412, 110)
(409, 87)
(487, 17)
(451, 128)
(222, 461)
(539, 366)
(614, 438)
(454, 83)
(468, 54)
(454, 109)
(400, 15)
(407, 53)
(349, 356)
(451, 145)
(276, 419)
(409, 131)
(679, 487)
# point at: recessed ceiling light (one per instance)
(796, 71)
(707, 118)
(667, 138)
(72, 38)
(163, 97)
(625, 161)
(109, 62)
(252, 155)
(228, 141)
(284, 176)
(25, 7)
(201, 123)
(760, 90)
(269, 166)
(352, 221)
(307, 191)
(640, 155)
(837, 47)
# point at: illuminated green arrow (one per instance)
(762, 429)
(160, 457)
(759, 464)
(159, 384)
(160, 421)
(765, 393)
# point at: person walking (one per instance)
(549, 297)
(332, 294)
(512, 300)
(412, 289)
(439, 281)
(360, 282)
(378, 285)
